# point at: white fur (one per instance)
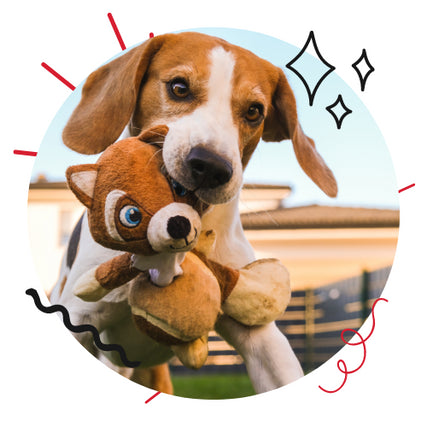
(210, 126)
(162, 267)
(157, 233)
(88, 288)
(109, 213)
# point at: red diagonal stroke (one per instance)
(116, 31)
(152, 397)
(58, 76)
(25, 153)
(406, 188)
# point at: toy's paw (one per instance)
(88, 288)
(206, 242)
(261, 294)
(193, 355)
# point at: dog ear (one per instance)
(81, 180)
(108, 99)
(282, 123)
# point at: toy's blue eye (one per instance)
(178, 188)
(130, 216)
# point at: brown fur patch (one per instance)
(62, 285)
(227, 277)
(134, 167)
(116, 272)
(157, 378)
(190, 304)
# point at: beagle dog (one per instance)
(218, 101)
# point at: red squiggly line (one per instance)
(341, 365)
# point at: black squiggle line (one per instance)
(81, 328)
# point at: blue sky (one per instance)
(356, 153)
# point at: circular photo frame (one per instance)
(338, 251)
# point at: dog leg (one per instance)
(268, 356)
(157, 378)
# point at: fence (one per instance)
(312, 323)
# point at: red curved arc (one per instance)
(362, 341)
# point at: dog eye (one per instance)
(178, 188)
(254, 113)
(179, 88)
(130, 216)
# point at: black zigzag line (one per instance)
(81, 328)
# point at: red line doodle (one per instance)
(342, 367)
(116, 31)
(25, 153)
(58, 76)
(152, 397)
(406, 188)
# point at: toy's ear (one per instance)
(81, 180)
(154, 134)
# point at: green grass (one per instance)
(212, 386)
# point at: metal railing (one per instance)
(312, 323)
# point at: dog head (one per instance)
(217, 99)
(131, 205)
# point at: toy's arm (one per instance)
(255, 295)
(227, 277)
(100, 280)
(261, 294)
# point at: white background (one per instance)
(47, 379)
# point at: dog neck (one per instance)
(231, 247)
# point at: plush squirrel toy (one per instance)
(175, 295)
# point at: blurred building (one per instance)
(339, 259)
(318, 244)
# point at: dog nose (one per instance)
(178, 227)
(209, 170)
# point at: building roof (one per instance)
(48, 185)
(316, 216)
(301, 217)
(44, 184)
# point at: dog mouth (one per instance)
(213, 178)
(188, 243)
(211, 196)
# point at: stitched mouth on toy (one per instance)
(156, 321)
(187, 243)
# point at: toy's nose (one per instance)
(208, 169)
(178, 227)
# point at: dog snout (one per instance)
(178, 227)
(208, 169)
